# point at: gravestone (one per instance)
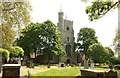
(91, 64)
(59, 65)
(86, 66)
(91, 73)
(11, 71)
(79, 64)
(111, 74)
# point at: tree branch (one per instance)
(115, 4)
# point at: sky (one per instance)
(74, 10)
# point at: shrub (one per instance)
(115, 60)
(16, 51)
(4, 53)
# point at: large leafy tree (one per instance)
(111, 52)
(86, 37)
(99, 8)
(13, 16)
(109, 55)
(41, 37)
(96, 52)
(100, 54)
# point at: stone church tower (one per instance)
(67, 36)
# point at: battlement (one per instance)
(68, 21)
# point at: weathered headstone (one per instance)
(111, 74)
(86, 66)
(90, 73)
(79, 64)
(59, 65)
(91, 64)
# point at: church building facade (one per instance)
(67, 37)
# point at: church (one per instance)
(67, 37)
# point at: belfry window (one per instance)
(68, 28)
(67, 38)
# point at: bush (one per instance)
(16, 51)
(4, 53)
(114, 60)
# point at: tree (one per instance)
(99, 8)
(8, 36)
(109, 55)
(4, 53)
(100, 54)
(111, 52)
(13, 16)
(96, 52)
(41, 37)
(29, 39)
(86, 37)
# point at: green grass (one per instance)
(118, 72)
(71, 72)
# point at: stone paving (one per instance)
(24, 70)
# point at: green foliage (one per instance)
(8, 36)
(16, 13)
(109, 55)
(72, 71)
(16, 51)
(100, 8)
(96, 52)
(4, 53)
(111, 52)
(13, 16)
(41, 37)
(100, 54)
(114, 60)
(86, 37)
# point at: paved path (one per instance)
(24, 71)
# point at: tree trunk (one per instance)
(35, 51)
(58, 59)
(48, 57)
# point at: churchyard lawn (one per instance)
(62, 72)
(69, 72)
(42, 70)
(65, 71)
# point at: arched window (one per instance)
(68, 28)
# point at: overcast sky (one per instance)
(75, 10)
